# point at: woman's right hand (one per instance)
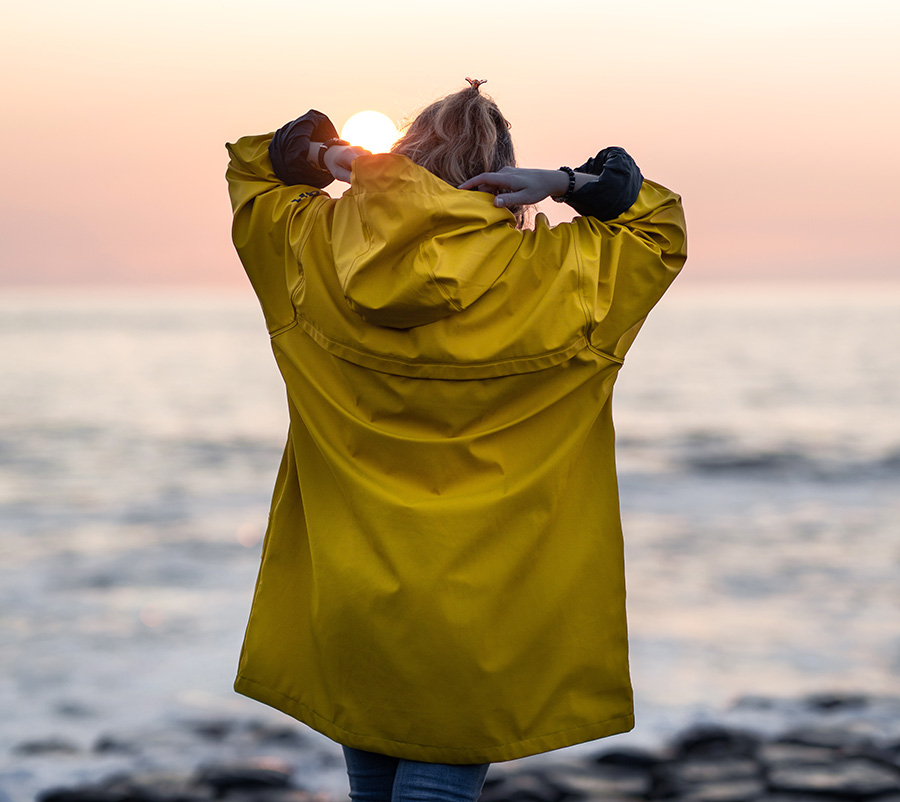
(338, 159)
(514, 186)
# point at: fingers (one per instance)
(346, 156)
(508, 188)
(513, 198)
(472, 183)
(339, 158)
(487, 181)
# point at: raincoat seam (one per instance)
(367, 236)
(448, 298)
(287, 327)
(582, 280)
(454, 304)
(518, 741)
(618, 360)
(307, 224)
(324, 341)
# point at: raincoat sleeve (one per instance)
(289, 147)
(635, 258)
(617, 186)
(269, 223)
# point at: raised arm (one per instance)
(521, 185)
(604, 186)
(308, 151)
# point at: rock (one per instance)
(708, 778)
(836, 702)
(732, 791)
(277, 734)
(770, 797)
(89, 793)
(73, 710)
(111, 744)
(600, 783)
(850, 778)
(253, 774)
(274, 795)
(830, 737)
(249, 781)
(711, 771)
(752, 702)
(127, 790)
(160, 785)
(632, 759)
(212, 730)
(616, 774)
(780, 753)
(712, 741)
(522, 787)
(45, 746)
(890, 754)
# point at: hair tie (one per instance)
(474, 83)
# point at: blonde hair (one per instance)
(460, 136)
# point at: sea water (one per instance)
(759, 454)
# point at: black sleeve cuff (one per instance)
(290, 145)
(616, 188)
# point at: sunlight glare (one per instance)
(372, 130)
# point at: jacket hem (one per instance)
(428, 753)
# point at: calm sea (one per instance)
(759, 452)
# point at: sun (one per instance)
(372, 130)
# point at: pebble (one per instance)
(821, 762)
(854, 778)
(259, 780)
(46, 746)
(256, 774)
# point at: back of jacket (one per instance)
(442, 577)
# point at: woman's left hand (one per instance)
(519, 185)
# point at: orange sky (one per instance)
(777, 121)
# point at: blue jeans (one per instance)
(379, 778)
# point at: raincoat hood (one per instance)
(394, 276)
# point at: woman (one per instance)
(442, 579)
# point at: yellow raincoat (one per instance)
(442, 576)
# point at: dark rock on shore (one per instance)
(838, 755)
(260, 780)
(110, 744)
(828, 761)
(46, 746)
(715, 742)
(848, 778)
(254, 775)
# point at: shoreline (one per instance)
(820, 747)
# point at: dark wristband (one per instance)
(568, 194)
